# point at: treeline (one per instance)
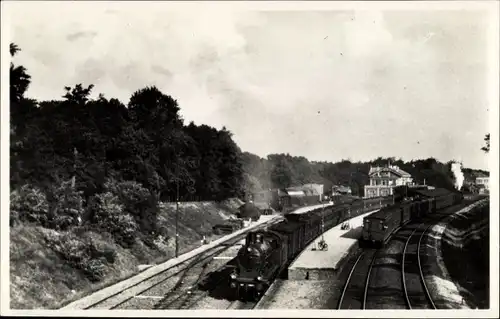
(283, 170)
(98, 162)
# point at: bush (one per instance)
(138, 202)
(29, 203)
(109, 214)
(67, 206)
(130, 193)
(83, 255)
(95, 269)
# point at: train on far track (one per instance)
(266, 253)
(416, 204)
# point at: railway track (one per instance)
(415, 290)
(179, 280)
(189, 299)
(186, 293)
(174, 277)
(355, 292)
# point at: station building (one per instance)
(384, 179)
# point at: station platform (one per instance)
(326, 265)
(306, 209)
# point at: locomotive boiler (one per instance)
(258, 263)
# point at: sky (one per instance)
(328, 85)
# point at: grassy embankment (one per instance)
(41, 278)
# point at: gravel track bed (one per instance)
(386, 288)
(299, 294)
(416, 293)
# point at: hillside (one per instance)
(50, 268)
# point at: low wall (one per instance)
(466, 251)
(451, 259)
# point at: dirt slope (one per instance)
(40, 278)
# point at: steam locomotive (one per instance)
(267, 253)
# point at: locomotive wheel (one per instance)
(255, 294)
(361, 243)
(240, 294)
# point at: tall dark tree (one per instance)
(21, 109)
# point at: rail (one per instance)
(422, 278)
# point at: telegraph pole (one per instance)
(73, 179)
(322, 221)
(177, 214)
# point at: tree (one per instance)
(486, 148)
(78, 94)
(20, 108)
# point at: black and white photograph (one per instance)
(250, 158)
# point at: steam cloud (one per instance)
(459, 175)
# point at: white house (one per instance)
(384, 179)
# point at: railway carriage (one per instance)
(380, 225)
(312, 224)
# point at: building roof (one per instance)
(295, 193)
(313, 185)
(341, 189)
(392, 168)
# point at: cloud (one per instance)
(77, 35)
(380, 80)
